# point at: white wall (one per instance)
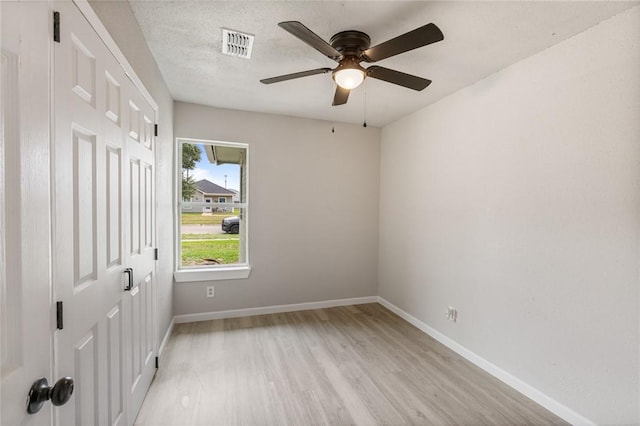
(119, 20)
(517, 200)
(313, 209)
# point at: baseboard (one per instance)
(529, 391)
(167, 335)
(237, 313)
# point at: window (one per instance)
(212, 205)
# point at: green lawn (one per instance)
(209, 237)
(213, 249)
(210, 251)
(212, 219)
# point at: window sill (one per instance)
(212, 274)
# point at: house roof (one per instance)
(208, 187)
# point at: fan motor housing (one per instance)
(351, 43)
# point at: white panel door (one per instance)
(26, 320)
(103, 227)
(140, 242)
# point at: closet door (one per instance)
(104, 228)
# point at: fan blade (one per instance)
(312, 39)
(397, 77)
(294, 75)
(341, 96)
(419, 37)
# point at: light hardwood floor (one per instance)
(349, 365)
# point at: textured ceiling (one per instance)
(480, 39)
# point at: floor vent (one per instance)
(235, 43)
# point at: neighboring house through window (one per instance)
(209, 191)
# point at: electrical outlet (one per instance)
(210, 292)
(451, 314)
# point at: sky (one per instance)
(216, 174)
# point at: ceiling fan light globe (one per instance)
(348, 78)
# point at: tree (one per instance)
(190, 157)
(188, 187)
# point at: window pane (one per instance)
(211, 238)
(212, 224)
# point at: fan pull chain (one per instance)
(364, 124)
(332, 110)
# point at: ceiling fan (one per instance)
(349, 48)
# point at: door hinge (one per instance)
(59, 315)
(155, 129)
(157, 362)
(56, 27)
(155, 254)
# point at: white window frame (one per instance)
(209, 272)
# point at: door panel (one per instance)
(85, 375)
(148, 323)
(136, 369)
(114, 207)
(148, 204)
(115, 345)
(103, 224)
(83, 69)
(84, 207)
(135, 205)
(26, 322)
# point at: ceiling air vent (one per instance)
(235, 43)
